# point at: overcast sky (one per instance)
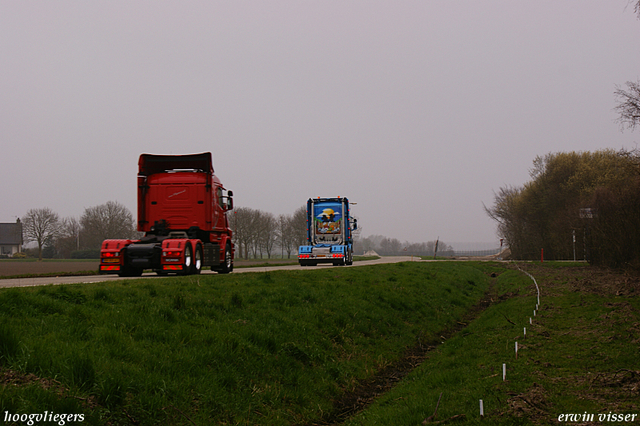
(416, 110)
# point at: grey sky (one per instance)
(416, 110)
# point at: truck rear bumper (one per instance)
(311, 256)
(317, 260)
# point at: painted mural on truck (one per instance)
(327, 218)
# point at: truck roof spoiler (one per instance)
(149, 164)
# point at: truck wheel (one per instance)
(349, 260)
(228, 261)
(188, 260)
(197, 260)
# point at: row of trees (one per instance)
(577, 204)
(392, 247)
(256, 233)
(70, 236)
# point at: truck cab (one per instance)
(330, 229)
(182, 208)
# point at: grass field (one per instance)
(263, 348)
(293, 347)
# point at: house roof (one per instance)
(10, 233)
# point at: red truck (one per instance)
(182, 210)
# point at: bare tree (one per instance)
(255, 232)
(40, 225)
(286, 235)
(68, 238)
(628, 103)
(390, 246)
(267, 234)
(109, 220)
(242, 221)
(299, 226)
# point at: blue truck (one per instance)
(330, 229)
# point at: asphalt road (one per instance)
(86, 279)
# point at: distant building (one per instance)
(10, 238)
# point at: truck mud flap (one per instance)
(211, 254)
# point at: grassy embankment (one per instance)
(579, 356)
(262, 348)
(281, 347)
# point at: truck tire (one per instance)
(227, 266)
(197, 260)
(188, 260)
(349, 260)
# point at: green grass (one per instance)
(261, 348)
(281, 347)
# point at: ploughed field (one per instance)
(13, 268)
(9, 268)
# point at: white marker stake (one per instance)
(481, 409)
(516, 350)
(530, 320)
(525, 332)
(504, 372)
(534, 312)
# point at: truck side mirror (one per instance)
(355, 224)
(229, 201)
